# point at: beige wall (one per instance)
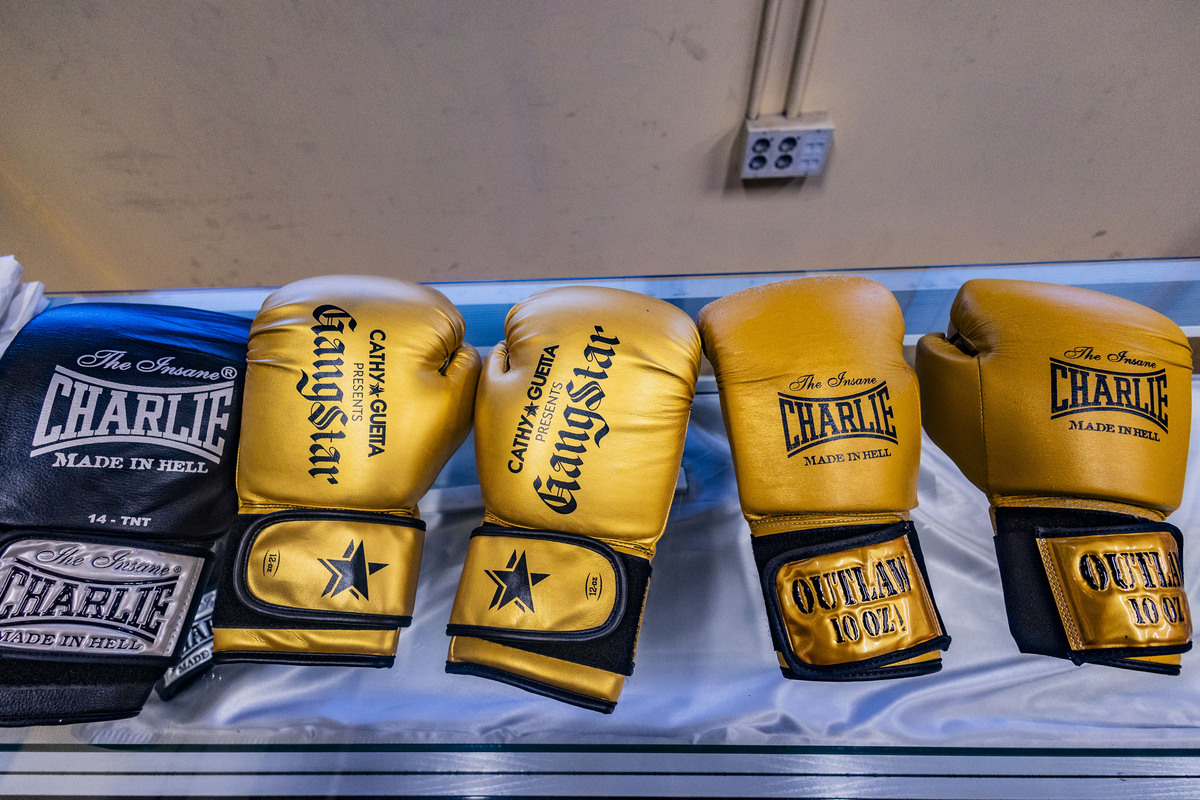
(158, 144)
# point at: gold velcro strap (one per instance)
(564, 675)
(1172, 660)
(1118, 589)
(332, 566)
(924, 657)
(306, 642)
(538, 585)
(848, 606)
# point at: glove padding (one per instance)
(358, 391)
(579, 430)
(1071, 410)
(823, 420)
(121, 423)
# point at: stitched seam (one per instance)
(790, 522)
(256, 507)
(983, 442)
(1068, 621)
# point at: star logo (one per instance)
(515, 584)
(375, 389)
(530, 410)
(350, 572)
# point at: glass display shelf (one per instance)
(706, 712)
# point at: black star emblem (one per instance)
(375, 389)
(350, 572)
(515, 584)
(530, 410)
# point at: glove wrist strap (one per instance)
(89, 623)
(77, 694)
(551, 594)
(850, 602)
(312, 586)
(565, 681)
(70, 597)
(1094, 587)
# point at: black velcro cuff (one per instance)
(1093, 586)
(849, 602)
(37, 693)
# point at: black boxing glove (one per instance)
(120, 428)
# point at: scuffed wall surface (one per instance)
(155, 145)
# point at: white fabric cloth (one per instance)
(706, 672)
(18, 301)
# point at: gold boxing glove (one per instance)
(358, 390)
(580, 422)
(823, 419)
(1071, 410)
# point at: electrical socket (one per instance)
(786, 147)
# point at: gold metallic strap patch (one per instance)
(852, 605)
(1118, 589)
(538, 585)
(328, 566)
(307, 642)
(565, 675)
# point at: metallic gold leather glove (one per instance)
(1071, 410)
(824, 425)
(579, 430)
(358, 390)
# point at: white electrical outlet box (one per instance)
(786, 147)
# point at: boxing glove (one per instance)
(358, 390)
(823, 419)
(1071, 410)
(579, 430)
(120, 428)
(195, 657)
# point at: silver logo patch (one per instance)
(81, 598)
